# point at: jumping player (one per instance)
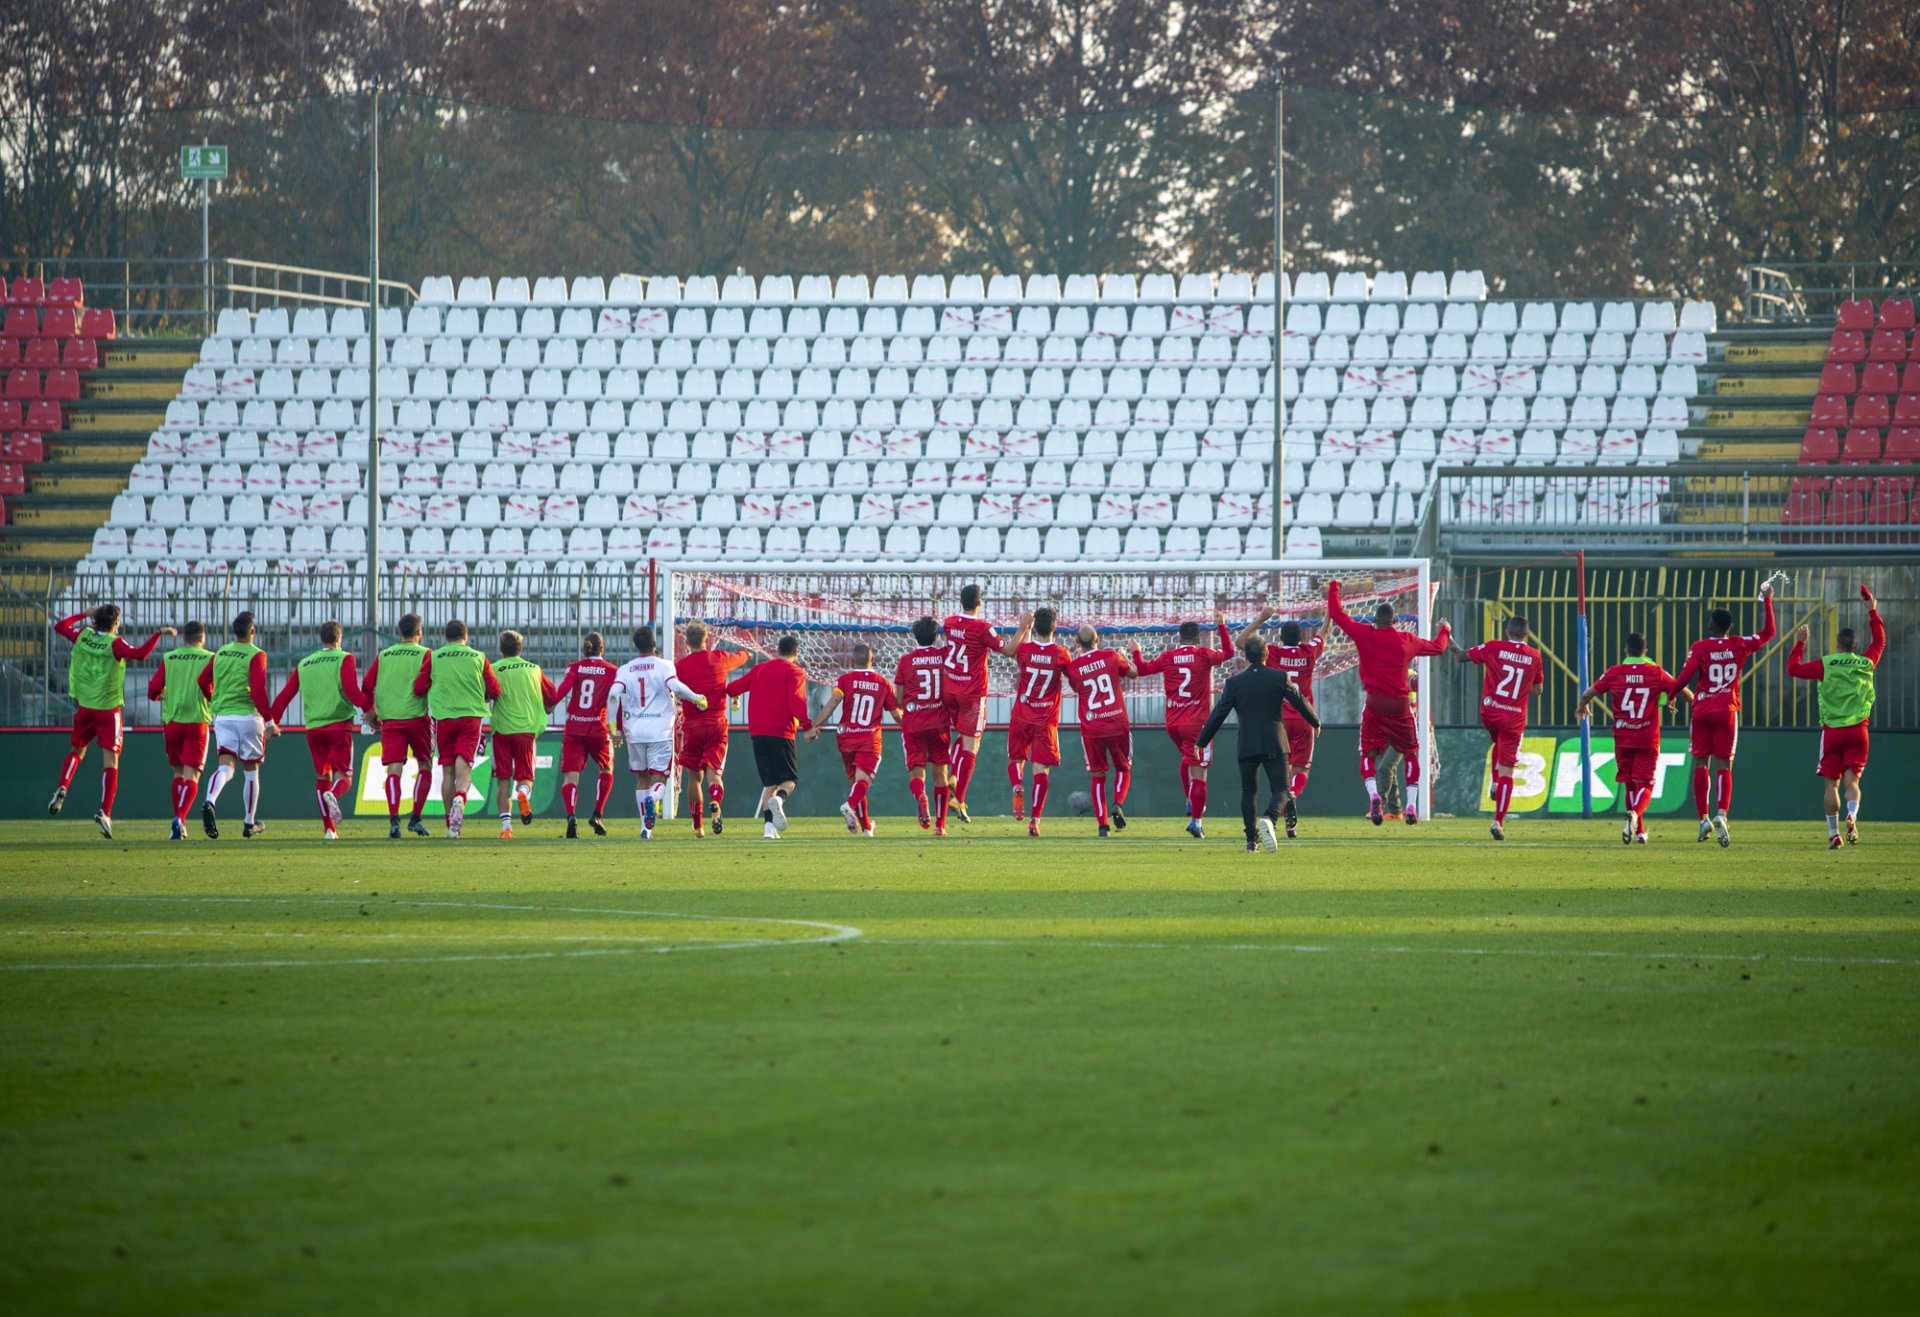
(235, 681)
(396, 688)
(330, 693)
(969, 638)
(1033, 732)
(97, 683)
(1714, 664)
(919, 680)
(776, 692)
(643, 712)
(1106, 738)
(186, 716)
(1639, 688)
(703, 733)
(1510, 669)
(1846, 702)
(1387, 717)
(867, 695)
(519, 716)
(1187, 672)
(463, 686)
(1298, 656)
(583, 738)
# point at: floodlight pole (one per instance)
(1279, 339)
(373, 372)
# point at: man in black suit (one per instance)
(1258, 694)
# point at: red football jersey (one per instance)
(1043, 665)
(584, 692)
(706, 672)
(1187, 671)
(1510, 672)
(968, 640)
(1096, 678)
(1715, 664)
(865, 696)
(1298, 662)
(919, 679)
(1636, 689)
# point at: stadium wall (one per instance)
(1774, 778)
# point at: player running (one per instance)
(186, 717)
(1187, 672)
(519, 716)
(97, 684)
(396, 689)
(1106, 738)
(1714, 664)
(583, 737)
(703, 733)
(1387, 717)
(1033, 731)
(330, 694)
(1846, 702)
(919, 680)
(463, 685)
(1510, 669)
(969, 638)
(641, 701)
(867, 695)
(235, 681)
(776, 692)
(1298, 656)
(1639, 688)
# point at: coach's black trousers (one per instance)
(1277, 775)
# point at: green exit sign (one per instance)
(203, 162)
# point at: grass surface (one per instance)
(1383, 1071)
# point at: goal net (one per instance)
(831, 607)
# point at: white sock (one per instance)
(457, 811)
(1853, 809)
(525, 789)
(250, 790)
(217, 783)
(1373, 788)
(1833, 825)
(660, 798)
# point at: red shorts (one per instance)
(1104, 748)
(1388, 724)
(925, 748)
(576, 748)
(331, 746)
(1300, 739)
(1842, 749)
(1029, 741)
(1506, 734)
(402, 736)
(102, 725)
(513, 756)
(186, 744)
(1714, 734)
(1635, 765)
(968, 712)
(703, 746)
(457, 738)
(860, 752)
(1183, 735)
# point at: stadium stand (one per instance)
(536, 421)
(1866, 413)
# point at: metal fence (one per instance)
(1801, 290)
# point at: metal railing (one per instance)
(1803, 290)
(169, 296)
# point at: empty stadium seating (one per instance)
(539, 420)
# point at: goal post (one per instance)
(831, 606)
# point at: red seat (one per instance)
(68, 291)
(1888, 345)
(22, 322)
(1896, 313)
(44, 416)
(26, 292)
(9, 353)
(40, 353)
(1903, 444)
(1856, 313)
(1847, 504)
(80, 354)
(65, 385)
(1829, 409)
(1861, 446)
(1838, 377)
(1847, 345)
(1806, 502)
(1868, 409)
(1888, 504)
(11, 414)
(23, 383)
(13, 480)
(97, 322)
(1820, 445)
(1880, 377)
(1906, 409)
(60, 322)
(22, 447)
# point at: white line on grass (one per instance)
(1547, 953)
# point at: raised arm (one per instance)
(1797, 664)
(1336, 612)
(1766, 615)
(1225, 652)
(1876, 629)
(122, 650)
(1024, 632)
(68, 628)
(1438, 645)
(1147, 666)
(1252, 628)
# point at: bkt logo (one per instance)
(1548, 776)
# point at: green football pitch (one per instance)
(1382, 1071)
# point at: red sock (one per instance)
(1040, 784)
(1298, 786)
(183, 794)
(1366, 764)
(1413, 768)
(963, 766)
(1502, 798)
(601, 792)
(109, 788)
(570, 799)
(1726, 790)
(858, 796)
(393, 795)
(68, 769)
(1013, 774)
(1100, 801)
(918, 786)
(1186, 782)
(323, 792)
(697, 806)
(1122, 779)
(342, 785)
(715, 794)
(1197, 797)
(1700, 789)
(940, 807)
(422, 788)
